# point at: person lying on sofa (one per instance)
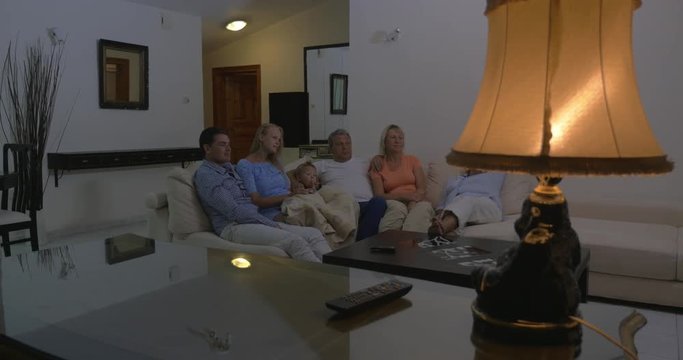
(471, 198)
(399, 177)
(234, 217)
(263, 174)
(351, 174)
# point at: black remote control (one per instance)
(371, 296)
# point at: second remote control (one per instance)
(371, 296)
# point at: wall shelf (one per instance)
(120, 158)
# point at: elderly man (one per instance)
(232, 214)
(351, 175)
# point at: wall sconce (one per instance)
(394, 35)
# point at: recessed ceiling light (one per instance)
(236, 25)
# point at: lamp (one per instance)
(236, 25)
(558, 97)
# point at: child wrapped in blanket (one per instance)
(327, 208)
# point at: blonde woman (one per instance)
(399, 179)
(263, 175)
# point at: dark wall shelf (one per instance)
(121, 158)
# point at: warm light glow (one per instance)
(566, 117)
(559, 95)
(236, 25)
(241, 263)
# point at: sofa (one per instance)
(636, 251)
(177, 216)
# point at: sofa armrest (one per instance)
(157, 224)
(156, 200)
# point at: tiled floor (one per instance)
(660, 339)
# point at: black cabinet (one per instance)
(121, 158)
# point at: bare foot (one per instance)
(443, 223)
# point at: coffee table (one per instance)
(447, 260)
(163, 306)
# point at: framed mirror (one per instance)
(338, 90)
(123, 74)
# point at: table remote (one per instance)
(371, 296)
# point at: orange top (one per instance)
(401, 179)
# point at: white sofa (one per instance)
(177, 216)
(636, 252)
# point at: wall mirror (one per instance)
(320, 62)
(338, 89)
(123, 75)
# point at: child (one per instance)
(306, 178)
(328, 209)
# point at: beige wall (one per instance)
(279, 51)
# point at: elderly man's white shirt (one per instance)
(351, 176)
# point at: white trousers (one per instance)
(473, 209)
(299, 242)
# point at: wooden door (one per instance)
(237, 105)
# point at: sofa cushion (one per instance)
(156, 200)
(501, 230)
(185, 213)
(516, 188)
(628, 248)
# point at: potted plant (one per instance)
(28, 93)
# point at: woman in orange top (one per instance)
(399, 178)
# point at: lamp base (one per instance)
(521, 332)
(530, 295)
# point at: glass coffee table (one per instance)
(183, 302)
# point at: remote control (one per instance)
(383, 249)
(368, 297)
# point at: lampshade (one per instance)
(559, 94)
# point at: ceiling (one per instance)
(215, 15)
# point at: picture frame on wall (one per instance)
(338, 93)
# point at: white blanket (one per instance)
(330, 210)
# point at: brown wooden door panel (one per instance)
(237, 105)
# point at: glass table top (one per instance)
(183, 302)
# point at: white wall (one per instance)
(92, 198)
(428, 80)
(320, 63)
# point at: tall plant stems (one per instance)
(29, 92)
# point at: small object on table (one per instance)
(368, 297)
(388, 249)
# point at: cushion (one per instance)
(156, 200)
(629, 249)
(516, 188)
(185, 213)
(437, 177)
(294, 164)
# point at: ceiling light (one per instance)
(236, 25)
(241, 263)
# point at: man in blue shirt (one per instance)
(232, 214)
(471, 198)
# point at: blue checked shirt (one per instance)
(224, 197)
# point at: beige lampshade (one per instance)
(559, 94)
